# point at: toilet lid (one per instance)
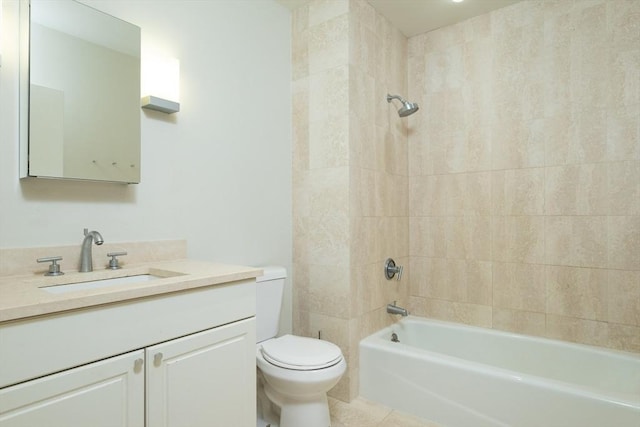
(300, 353)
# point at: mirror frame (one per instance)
(24, 99)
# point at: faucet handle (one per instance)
(54, 268)
(113, 263)
(391, 269)
(399, 270)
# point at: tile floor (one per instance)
(363, 413)
(360, 412)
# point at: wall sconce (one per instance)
(160, 84)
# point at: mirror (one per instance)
(79, 93)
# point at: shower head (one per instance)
(407, 108)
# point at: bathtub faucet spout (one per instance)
(394, 309)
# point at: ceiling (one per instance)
(414, 17)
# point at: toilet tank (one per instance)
(269, 289)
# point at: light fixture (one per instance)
(457, 1)
(160, 84)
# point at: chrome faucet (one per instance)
(394, 309)
(86, 259)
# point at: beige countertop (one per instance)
(22, 297)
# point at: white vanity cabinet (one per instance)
(180, 359)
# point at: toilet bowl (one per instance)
(297, 371)
(299, 390)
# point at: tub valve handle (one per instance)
(391, 269)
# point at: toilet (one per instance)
(297, 371)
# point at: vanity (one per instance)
(175, 350)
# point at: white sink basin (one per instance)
(104, 283)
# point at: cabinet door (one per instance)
(204, 380)
(109, 393)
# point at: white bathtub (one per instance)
(463, 376)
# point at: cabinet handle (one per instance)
(137, 365)
(157, 359)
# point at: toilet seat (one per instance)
(300, 353)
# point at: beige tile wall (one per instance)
(379, 209)
(524, 164)
(320, 49)
(350, 174)
(516, 202)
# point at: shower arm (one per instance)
(390, 97)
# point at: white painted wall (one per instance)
(218, 173)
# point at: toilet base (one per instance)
(309, 412)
